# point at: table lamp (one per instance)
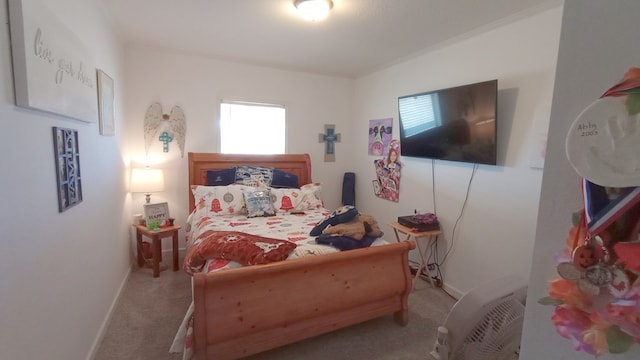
(146, 180)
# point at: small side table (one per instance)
(156, 246)
(431, 236)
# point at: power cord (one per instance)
(433, 264)
(433, 185)
(464, 204)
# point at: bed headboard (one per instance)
(199, 163)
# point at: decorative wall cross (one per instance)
(166, 139)
(329, 137)
(174, 126)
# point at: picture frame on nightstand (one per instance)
(156, 212)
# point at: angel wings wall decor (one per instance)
(164, 127)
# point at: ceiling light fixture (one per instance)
(313, 10)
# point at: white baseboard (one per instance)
(453, 291)
(107, 319)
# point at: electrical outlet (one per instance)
(431, 266)
(437, 281)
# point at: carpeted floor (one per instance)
(151, 310)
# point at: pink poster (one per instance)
(387, 184)
(379, 136)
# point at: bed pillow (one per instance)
(293, 199)
(246, 249)
(256, 176)
(283, 179)
(259, 203)
(221, 177)
(311, 197)
(286, 200)
(219, 200)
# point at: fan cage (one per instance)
(496, 336)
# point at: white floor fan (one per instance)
(485, 324)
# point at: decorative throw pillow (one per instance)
(219, 200)
(311, 197)
(340, 215)
(283, 179)
(259, 203)
(286, 200)
(247, 249)
(221, 177)
(256, 176)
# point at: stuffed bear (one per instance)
(362, 225)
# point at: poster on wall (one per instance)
(52, 69)
(387, 183)
(379, 136)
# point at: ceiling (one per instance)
(358, 38)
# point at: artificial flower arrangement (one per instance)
(597, 297)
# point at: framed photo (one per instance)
(156, 212)
(105, 104)
(67, 158)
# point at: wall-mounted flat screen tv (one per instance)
(455, 124)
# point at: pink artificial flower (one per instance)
(568, 292)
(596, 335)
(571, 324)
(625, 317)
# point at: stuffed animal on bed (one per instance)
(357, 228)
(340, 215)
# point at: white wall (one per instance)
(59, 272)
(596, 49)
(496, 233)
(86, 251)
(197, 84)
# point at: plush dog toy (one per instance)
(357, 228)
(340, 215)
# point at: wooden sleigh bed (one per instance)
(244, 311)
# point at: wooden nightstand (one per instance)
(431, 236)
(156, 245)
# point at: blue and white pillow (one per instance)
(256, 176)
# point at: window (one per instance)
(252, 128)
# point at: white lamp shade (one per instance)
(146, 180)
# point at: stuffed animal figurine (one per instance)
(357, 228)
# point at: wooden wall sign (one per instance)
(67, 157)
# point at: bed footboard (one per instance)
(245, 311)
